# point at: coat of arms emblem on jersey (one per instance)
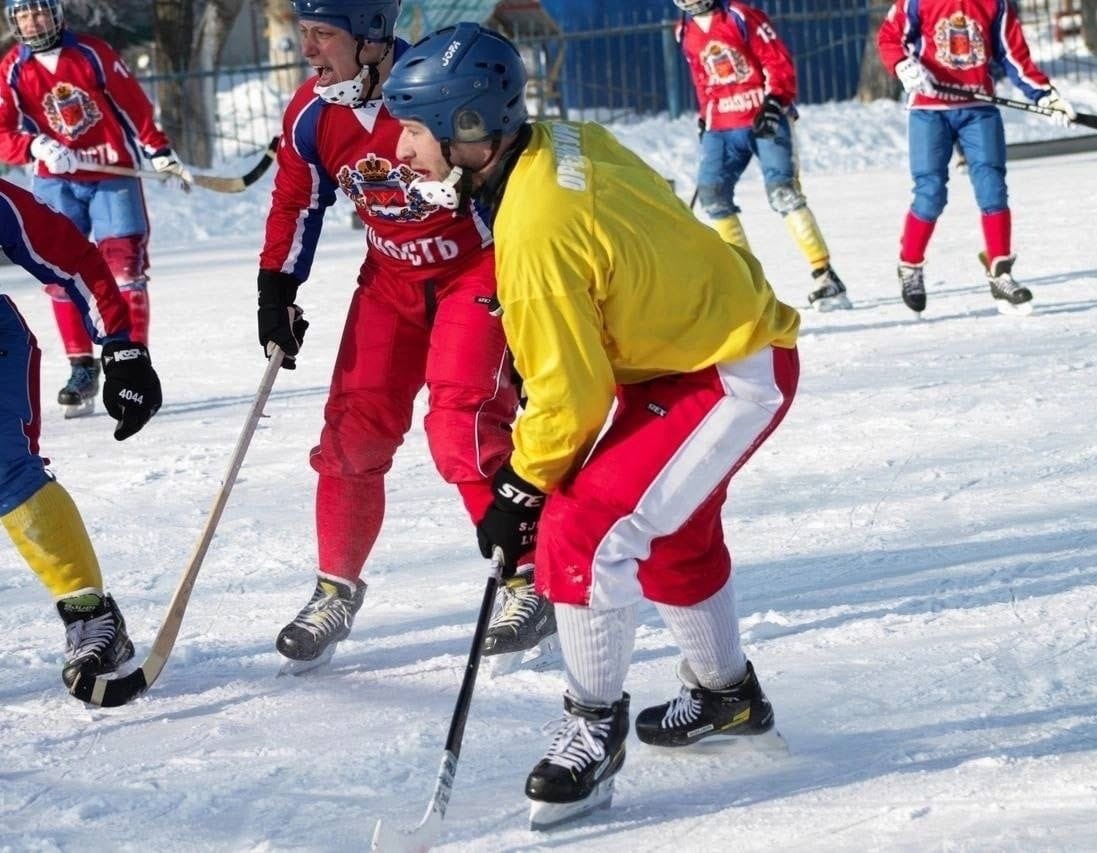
(378, 188)
(959, 42)
(69, 110)
(724, 64)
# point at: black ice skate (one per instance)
(1009, 296)
(829, 293)
(912, 283)
(77, 398)
(523, 629)
(309, 640)
(575, 777)
(96, 641)
(697, 713)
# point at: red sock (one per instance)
(997, 229)
(916, 234)
(348, 519)
(138, 302)
(70, 323)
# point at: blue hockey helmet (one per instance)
(371, 20)
(465, 83)
(50, 35)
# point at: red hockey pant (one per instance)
(641, 519)
(400, 335)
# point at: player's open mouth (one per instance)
(325, 76)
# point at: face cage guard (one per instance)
(39, 41)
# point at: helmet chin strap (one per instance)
(456, 187)
(444, 193)
(352, 93)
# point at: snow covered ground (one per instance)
(916, 552)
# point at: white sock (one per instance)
(597, 648)
(708, 635)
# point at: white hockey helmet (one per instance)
(50, 35)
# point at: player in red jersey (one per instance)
(746, 89)
(424, 313)
(932, 43)
(67, 102)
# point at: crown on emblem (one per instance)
(374, 168)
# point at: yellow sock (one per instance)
(48, 531)
(731, 231)
(805, 231)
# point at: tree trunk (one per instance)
(173, 31)
(875, 81)
(213, 32)
(283, 46)
(1089, 24)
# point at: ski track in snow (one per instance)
(915, 551)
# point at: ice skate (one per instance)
(829, 293)
(575, 777)
(1009, 296)
(912, 284)
(522, 634)
(697, 713)
(309, 640)
(96, 641)
(77, 398)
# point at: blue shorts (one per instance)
(725, 155)
(114, 207)
(932, 136)
(22, 470)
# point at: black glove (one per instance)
(768, 120)
(511, 521)
(131, 388)
(700, 128)
(280, 321)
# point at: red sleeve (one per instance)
(303, 190)
(123, 89)
(14, 143)
(49, 247)
(774, 57)
(890, 38)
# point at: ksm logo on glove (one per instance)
(131, 388)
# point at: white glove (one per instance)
(1064, 111)
(167, 162)
(914, 77)
(53, 155)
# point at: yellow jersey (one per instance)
(606, 278)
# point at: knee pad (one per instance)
(930, 197)
(785, 198)
(715, 202)
(126, 258)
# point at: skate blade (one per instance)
(832, 303)
(301, 667)
(771, 742)
(79, 410)
(545, 816)
(1011, 310)
(544, 655)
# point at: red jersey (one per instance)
(326, 147)
(956, 40)
(49, 247)
(90, 103)
(735, 64)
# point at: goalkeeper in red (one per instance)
(746, 88)
(931, 44)
(682, 330)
